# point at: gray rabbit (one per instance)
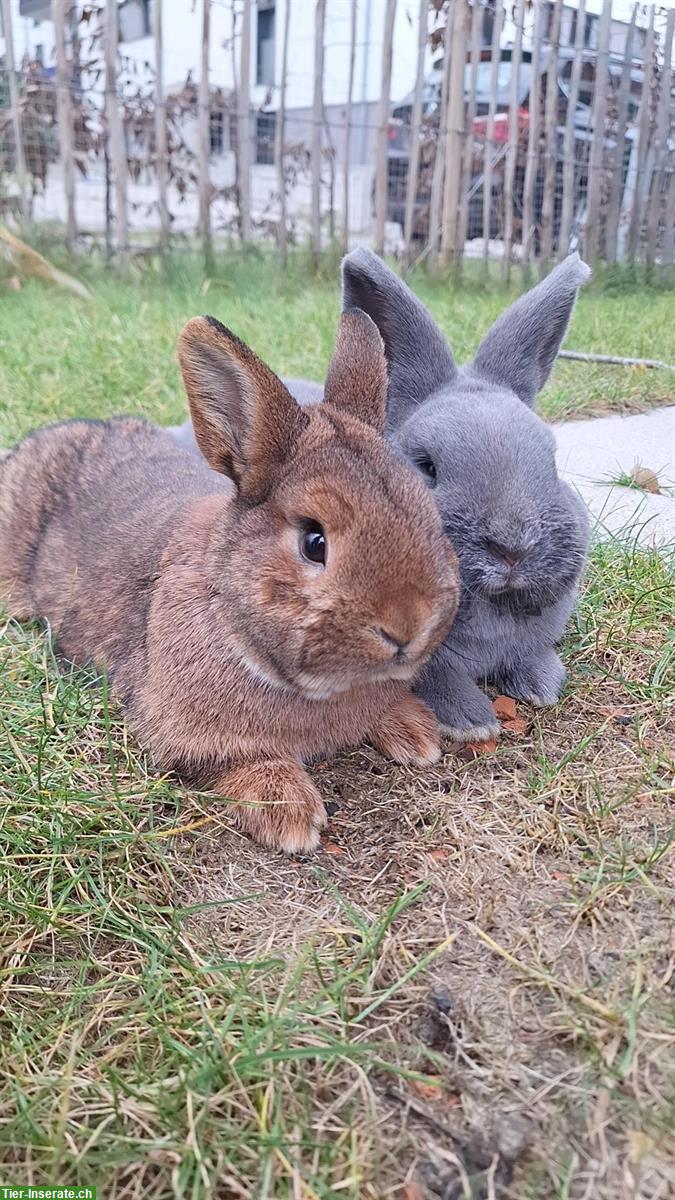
(520, 533)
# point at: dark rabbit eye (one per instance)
(426, 466)
(313, 543)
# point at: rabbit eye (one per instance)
(427, 467)
(313, 543)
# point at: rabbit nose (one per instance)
(391, 639)
(509, 554)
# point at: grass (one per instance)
(63, 357)
(467, 992)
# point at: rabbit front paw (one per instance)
(464, 713)
(408, 733)
(468, 716)
(539, 682)
(276, 803)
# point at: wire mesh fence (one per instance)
(531, 128)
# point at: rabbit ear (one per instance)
(245, 421)
(521, 347)
(418, 357)
(356, 382)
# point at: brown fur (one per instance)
(236, 659)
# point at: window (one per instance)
(265, 124)
(39, 10)
(216, 131)
(590, 30)
(134, 20)
(265, 42)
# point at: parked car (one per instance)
(399, 133)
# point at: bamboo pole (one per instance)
(279, 135)
(233, 116)
(533, 136)
(438, 173)
(347, 150)
(637, 212)
(118, 158)
(454, 134)
(244, 124)
(19, 157)
(660, 142)
(490, 130)
(161, 138)
(550, 121)
(477, 11)
(415, 132)
(382, 122)
(668, 252)
(204, 102)
(616, 181)
(569, 155)
(592, 241)
(512, 145)
(317, 126)
(64, 118)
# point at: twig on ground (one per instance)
(614, 360)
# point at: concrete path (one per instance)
(593, 453)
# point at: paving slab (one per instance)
(593, 454)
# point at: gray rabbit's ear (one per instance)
(521, 347)
(418, 357)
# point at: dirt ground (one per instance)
(550, 881)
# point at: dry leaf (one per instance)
(439, 854)
(332, 848)
(504, 708)
(412, 1191)
(517, 726)
(645, 479)
(426, 1091)
(471, 750)
(31, 263)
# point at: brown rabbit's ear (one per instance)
(356, 382)
(245, 420)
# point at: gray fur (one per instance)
(496, 482)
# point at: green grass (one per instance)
(130, 1048)
(185, 1015)
(62, 357)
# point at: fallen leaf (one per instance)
(426, 1091)
(332, 848)
(504, 708)
(439, 854)
(560, 875)
(471, 750)
(412, 1191)
(645, 479)
(518, 726)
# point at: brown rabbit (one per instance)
(244, 630)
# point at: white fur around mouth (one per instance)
(472, 733)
